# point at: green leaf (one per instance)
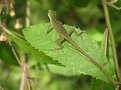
(61, 70)
(38, 55)
(69, 56)
(6, 54)
(100, 85)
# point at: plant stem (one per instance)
(115, 59)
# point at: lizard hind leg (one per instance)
(59, 43)
(77, 33)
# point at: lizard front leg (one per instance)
(49, 28)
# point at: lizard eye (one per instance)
(52, 13)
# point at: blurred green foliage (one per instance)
(85, 14)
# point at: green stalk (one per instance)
(115, 59)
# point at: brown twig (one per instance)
(23, 66)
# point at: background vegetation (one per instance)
(86, 14)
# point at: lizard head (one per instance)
(51, 14)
